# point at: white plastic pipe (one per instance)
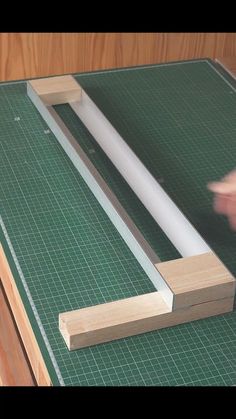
(178, 229)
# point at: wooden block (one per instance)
(128, 317)
(23, 324)
(105, 322)
(57, 90)
(197, 279)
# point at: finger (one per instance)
(231, 177)
(222, 187)
(232, 222)
(231, 205)
(220, 204)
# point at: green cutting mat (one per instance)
(180, 119)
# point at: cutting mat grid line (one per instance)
(180, 120)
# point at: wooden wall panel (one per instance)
(25, 55)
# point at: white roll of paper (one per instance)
(172, 221)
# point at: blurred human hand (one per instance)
(225, 197)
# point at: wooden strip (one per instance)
(197, 279)
(128, 317)
(57, 90)
(23, 324)
(229, 64)
(14, 367)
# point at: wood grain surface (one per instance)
(23, 324)
(26, 55)
(14, 365)
(229, 63)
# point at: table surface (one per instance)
(179, 118)
(14, 365)
(229, 63)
